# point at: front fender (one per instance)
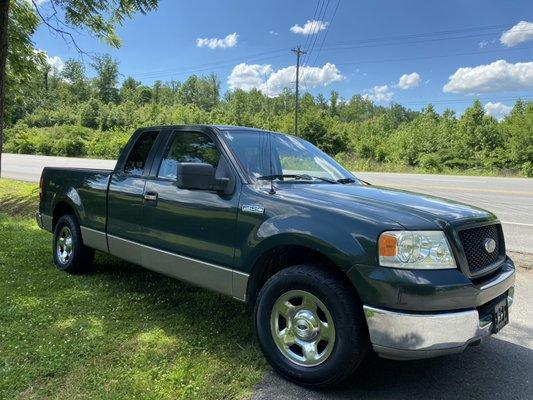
(340, 243)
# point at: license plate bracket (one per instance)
(500, 315)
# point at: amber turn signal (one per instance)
(387, 245)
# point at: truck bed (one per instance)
(83, 189)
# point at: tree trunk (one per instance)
(4, 18)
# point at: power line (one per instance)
(327, 30)
(325, 37)
(431, 56)
(425, 34)
(314, 30)
(207, 65)
(298, 51)
(357, 46)
(315, 33)
(313, 19)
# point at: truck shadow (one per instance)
(495, 369)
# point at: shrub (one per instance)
(107, 145)
(66, 140)
(527, 169)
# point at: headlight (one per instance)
(415, 250)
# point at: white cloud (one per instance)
(497, 110)
(55, 62)
(264, 78)
(409, 80)
(497, 76)
(311, 27)
(215, 43)
(482, 44)
(379, 94)
(248, 76)
(521, 32)
(311, 77)
(275, 33)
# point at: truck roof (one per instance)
(221, 127)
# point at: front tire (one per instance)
(311, 326)
(70, 254)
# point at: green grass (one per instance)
(120, 332)
(18, 198)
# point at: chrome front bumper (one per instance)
(407, 336)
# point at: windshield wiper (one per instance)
(352, 180)
(346, 180)
(304, 177)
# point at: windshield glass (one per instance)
(293, 159)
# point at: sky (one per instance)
(410, 52)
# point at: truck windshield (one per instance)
(292, 159)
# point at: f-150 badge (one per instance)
(252, 209)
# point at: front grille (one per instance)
(473, 241)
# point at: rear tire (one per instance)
(70, 254)
(327, 324)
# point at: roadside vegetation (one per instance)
(68, 114)
(120, 332)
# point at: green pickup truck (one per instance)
(336, 268)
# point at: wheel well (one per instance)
(278, 258)
(61, 209)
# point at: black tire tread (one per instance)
(324, 276)
(83, 255)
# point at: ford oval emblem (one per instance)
(490, 245)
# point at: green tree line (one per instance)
(66, 113)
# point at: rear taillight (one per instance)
(41, 188)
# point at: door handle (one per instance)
(150, 196)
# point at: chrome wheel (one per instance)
(64, 245)
(302, 328)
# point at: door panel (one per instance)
(125, 197)
(194, 223)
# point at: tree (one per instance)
(96, 16)
(106, 80)
(128, 89)
(202, 91)
(18, 60)
(74, 73)
(4, 16)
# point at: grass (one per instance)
(120, 332)
(18, 198)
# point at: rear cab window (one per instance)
(136, 161)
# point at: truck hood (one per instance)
(409, 209)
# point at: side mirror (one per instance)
(200, 176)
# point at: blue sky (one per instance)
(368, 46)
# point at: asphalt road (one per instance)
(511, 199)
(500, 368)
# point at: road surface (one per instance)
(511, 199)
(500, 368)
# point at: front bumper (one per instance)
(409, 335)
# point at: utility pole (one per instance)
(298, 51)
